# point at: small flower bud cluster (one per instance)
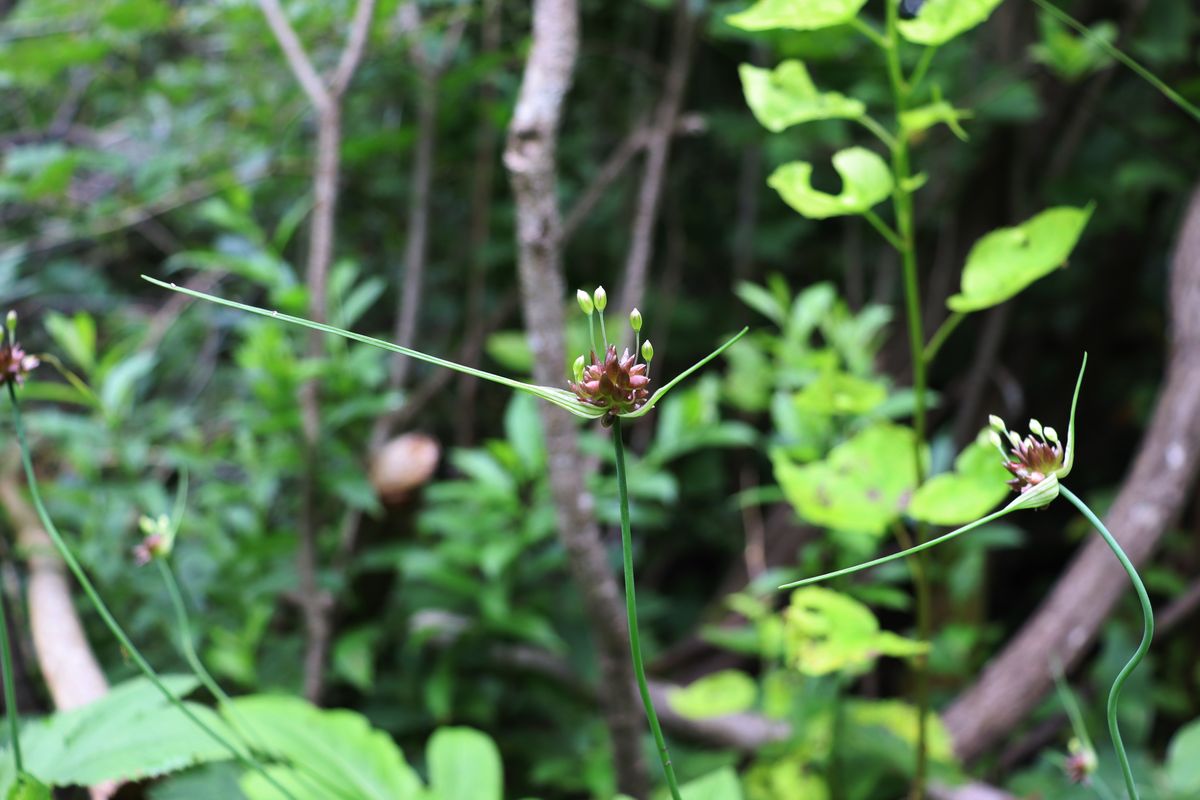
(1081, 763)
(1031, 459)
(615, 383)
(15, 363)
(158, 541)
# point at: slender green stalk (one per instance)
(941, 335)
(635, 644)
(884, 230)
(1147, 635)
(11, 713)
(94, 598)
(903, 206)
(1116, 52)
(922, 68)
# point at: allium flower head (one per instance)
(1081, 763)
(617, 385)
(159, 539)
(15, 363)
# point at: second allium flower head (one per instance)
(615, 384)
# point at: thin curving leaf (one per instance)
(1007, 260)
(942, 20)
(662, 391)
(800, 15)
(1069, 455)
(787, 96)
(559, 397)
(866, 181)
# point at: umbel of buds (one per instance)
(159, 538)
(15, 363)
(617, 384)
(1031, 459)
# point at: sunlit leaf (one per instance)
(786, 96)
(837, 393)
(900, 720)
(916, 121)
(866, 181)
(827, 631)
(1007, 260)
(720, 785)
(801, 15)
(1183, 761)
(863, 485)
(728, 691)
(973, 489)
(464, 764)
(942, 20)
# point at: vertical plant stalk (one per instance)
(903, 205)
(635, 644)
(1147, 636)
(106, 615)
(11, 714)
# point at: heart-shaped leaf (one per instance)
(800, 15)
(1007, 260)
(976, 485)
(786, 96)
(866, 181)
(942, 20)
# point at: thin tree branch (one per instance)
(356, 42)
(658, 152)
(297, 57)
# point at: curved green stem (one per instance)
(1147, 635)
(93, 596)
(940, 336)
(635, 644)
(11, 713)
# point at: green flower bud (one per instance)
(647, 351)
(635, 320)
(601, 298)
(1035, 427)
(997, 423)
(1050, 434)
(995, 439)
(577, 369)
(585, 301)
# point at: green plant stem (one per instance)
(93, 596)
(886, 232)
(903, 206)
(1147, 635)
(11, 713)
(1118, 54)
(635, 644)
(941, 335)
(922, 68)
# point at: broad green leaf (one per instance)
(785, 778)
(942, 20)
(866, 181)
(900, 719)
(975, 486)
(826, 631)
(863, 485)
(786, 96)
(464, 764)
(325, 755)
(720, 785)
(838, 393)
(1183, 761)
(76, 336)
(129, 734)
(354, 657)
(728, 691)
(28, 788)
(916, 121)
(1007, 260)
(801, 15)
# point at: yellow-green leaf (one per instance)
(942, 20)
(866, 181)
(973, 489)
(831, 632)
(801, 15)
(729, 691)
(1007, 260)
(787, 96)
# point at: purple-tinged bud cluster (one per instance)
(1032, 459)
(615, 384)
(15, 363)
